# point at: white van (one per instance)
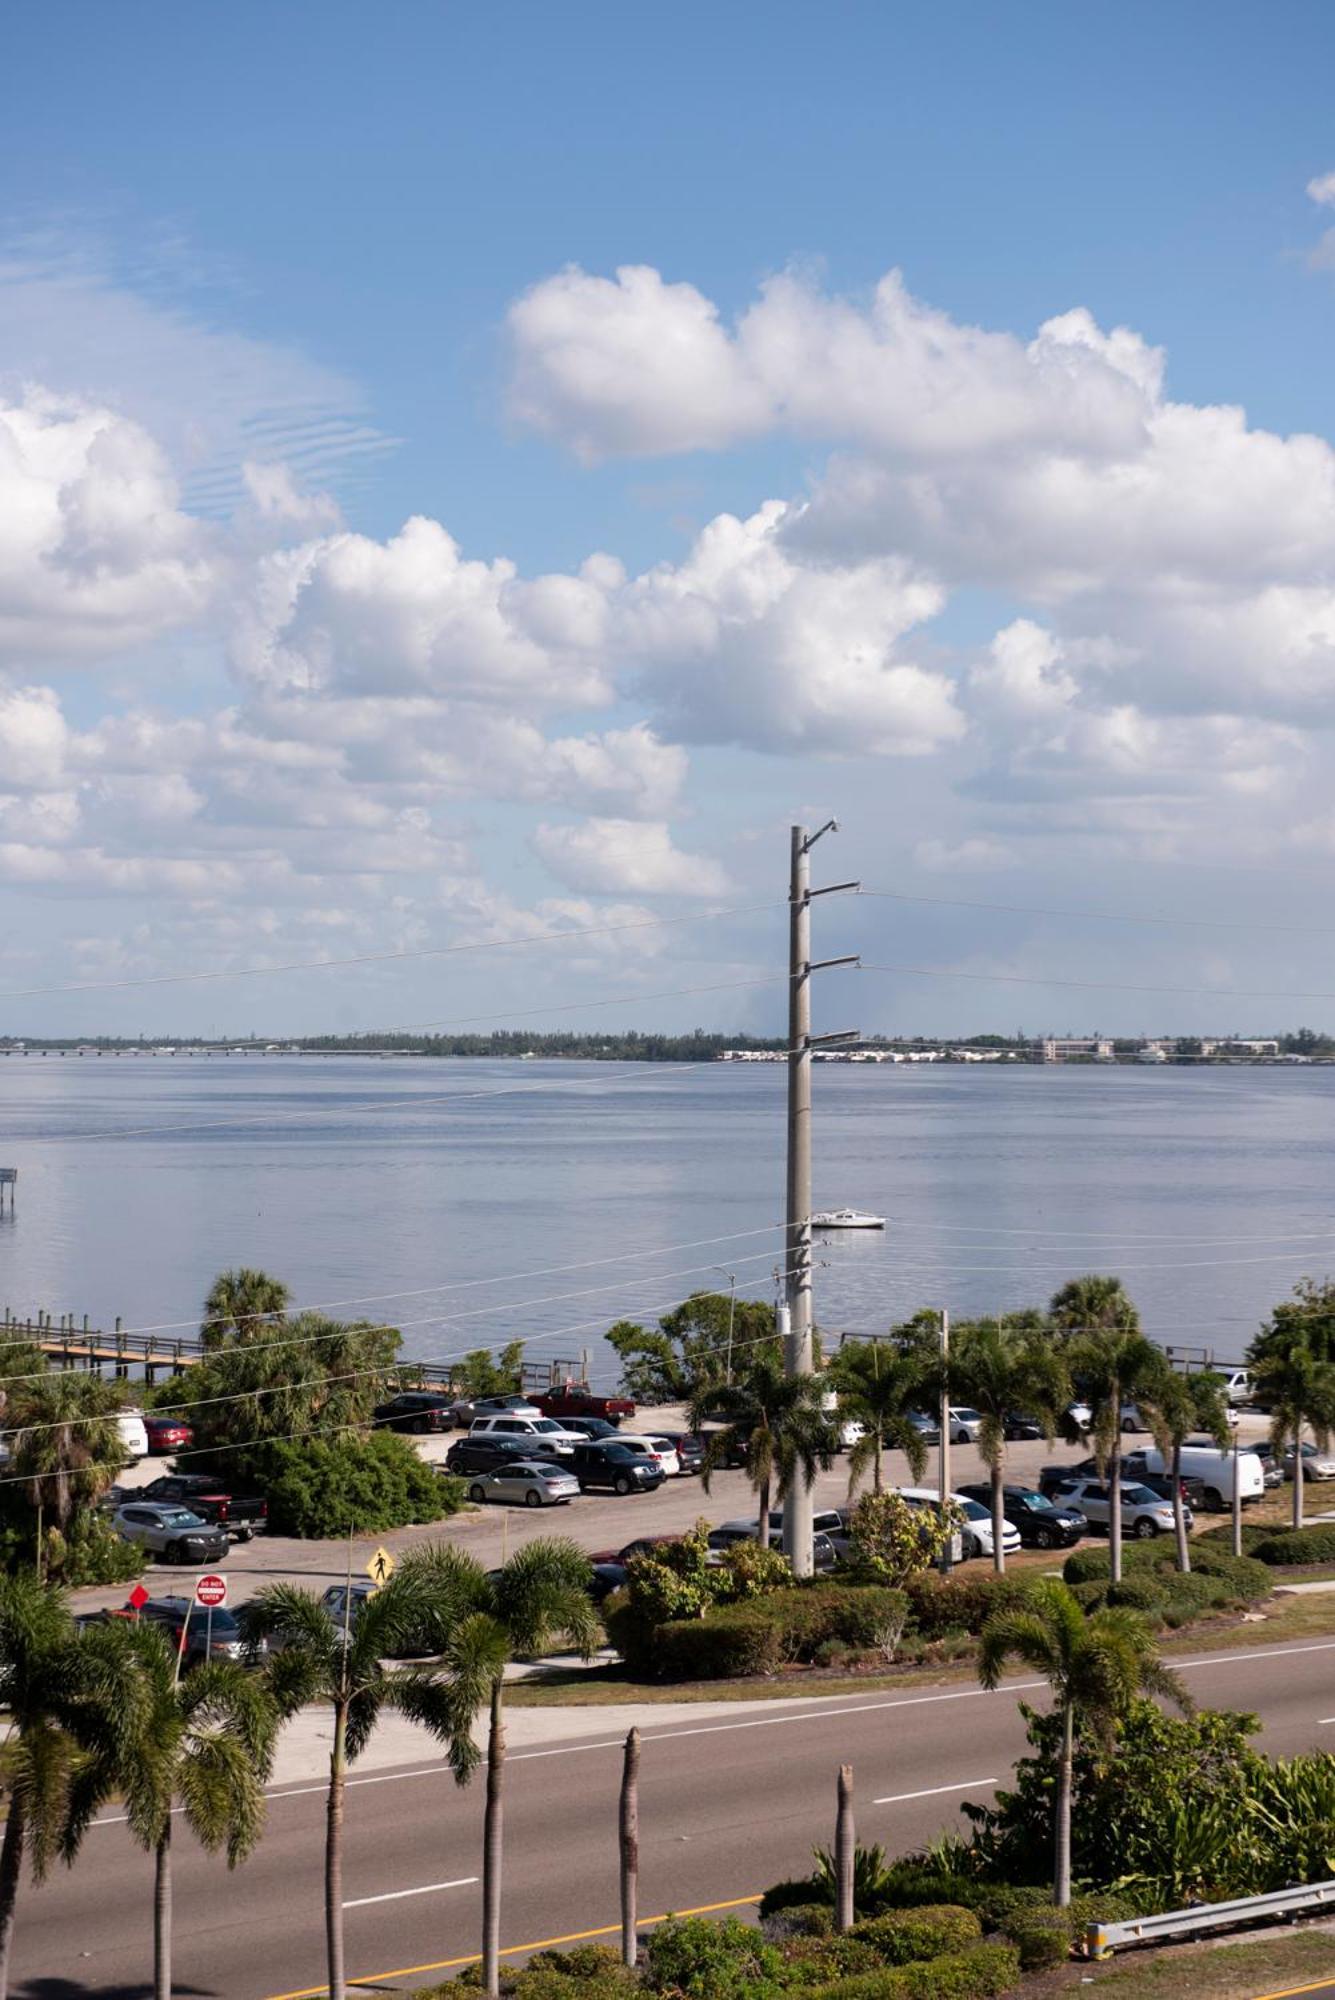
(130, 1426)
(1203, 1460)
(547, 1435)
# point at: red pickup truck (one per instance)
(577, 1399)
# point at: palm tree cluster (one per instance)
(107, 1711)
(1292, 1361)
(1087, 1345)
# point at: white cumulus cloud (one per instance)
(626, 857)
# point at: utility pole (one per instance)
(797, 1359)
(943, 1456)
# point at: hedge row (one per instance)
(1246, 1577)
(762, 1635)
(979, 1974)
(1297, 1545)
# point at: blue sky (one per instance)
(302, 238)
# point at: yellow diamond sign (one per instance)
(381, 1566)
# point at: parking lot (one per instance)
(594, 1521)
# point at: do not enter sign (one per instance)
(211, 1591)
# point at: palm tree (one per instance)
(44, 1812)
(878, 1384)
(996, 1369)
(202, 1742)
(778, 1422)
(341, 1662)
(1178, 1407)
(1300, 1392)
(1094, 1667)
(538, 1597)
(1111, 1362)
(65, 1446)
(243, 1305)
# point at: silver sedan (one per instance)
(534, 1484)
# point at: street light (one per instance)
(731, 1277)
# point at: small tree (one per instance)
(1180, 1406)
(878, 1384)
(778, 1422)
(996, 1368)
(201, 1743)
(893, 1540)
(709, 1338)
(482, 1373)
(50, 1791)
(1110, 1362)
(1094, 1667)
(243, 1306)
(342, 1664)
(1300, 1392)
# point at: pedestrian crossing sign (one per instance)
(381, 1566)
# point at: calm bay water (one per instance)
(426, 1189)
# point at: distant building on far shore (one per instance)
(1078, 1048)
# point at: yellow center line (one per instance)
(538, 1944)
(1287, 1992)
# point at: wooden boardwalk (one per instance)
(71, 1345)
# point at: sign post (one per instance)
(210, 1591)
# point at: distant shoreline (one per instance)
(736, 1052)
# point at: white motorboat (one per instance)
(847, 1218)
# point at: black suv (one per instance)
(615, 1467)
(484, 1454)
(1040, 1522)
(415, 1410)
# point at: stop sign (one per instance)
(211, 1591)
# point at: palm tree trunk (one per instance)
(1297, 1487)
(998, 1521)
(333, 1853)
(11, 1867)
(763, 1521)
(629, 1843)
(493, 1828)
(1179, 1511)
(1061, 1873)
(1115, 1502)
(162, 1915)
(877, 1476)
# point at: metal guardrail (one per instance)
(1102, 1940)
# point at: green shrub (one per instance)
(870, 1616)
(319, 1486)
(707, 1960)
(796, 1896)
(589, 1972)
(815, 1961)
(1087, 1572)
(1136, 1593)
(944, 1604)
(798, 1919)
(987, 1970)
(89, 1551)
(929, 1931)
(1045, 1936)
(724, 1647)
(1297, 1545)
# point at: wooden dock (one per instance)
(9, 1178)
(71, 1345)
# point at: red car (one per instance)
(577, 1399)
(166, 1434)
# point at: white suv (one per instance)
(546, 1433)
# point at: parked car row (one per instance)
(426, 1410)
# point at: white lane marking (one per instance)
(933, 1791)
(397, 1895)
(794, 1714)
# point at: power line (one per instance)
(1103, 916)
(630, 1072)
(1100, 985)
(385, 957)
(458, 1284)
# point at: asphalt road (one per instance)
(728, 1805)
